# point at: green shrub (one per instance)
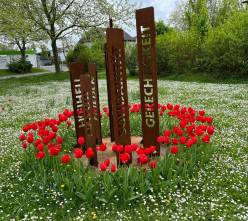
(80, 53)
(177, 51)
(84, 54)
(98, 55)
(131, 58)
(20, 66)
(226, 46)
(223, 50)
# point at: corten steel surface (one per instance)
(88, 113)
(146, 40)
(95, 102)
(77, 69)
(109, 96)
(117, 81)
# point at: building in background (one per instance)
(8, 56)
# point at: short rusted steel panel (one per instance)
(88, 113)
(117, 81)
(95, 102)
(146, 40)
(77, 69)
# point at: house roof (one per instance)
(128, 37)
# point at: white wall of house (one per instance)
(6, 59)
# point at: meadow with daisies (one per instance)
(201, 174)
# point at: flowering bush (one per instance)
(48, 153)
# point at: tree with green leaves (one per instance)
(15, 28)
(161, 28)
(196, 16)
(60, 18)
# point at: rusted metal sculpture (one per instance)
(89, 116)
(85, 92)
(76, 70)
(109, 96)
(95, 102)
(117, 86)
(146, 40)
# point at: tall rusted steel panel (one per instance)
(117, 81)
(77, 69)
(109, 96)
(88, 113)
(95, 102)
(146, 40)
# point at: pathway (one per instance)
(48, 70)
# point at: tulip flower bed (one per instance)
(214, 188)
(49, 155)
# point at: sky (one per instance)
(163, 9)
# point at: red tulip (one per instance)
(103, 167)
(102, 147)
(128, 149)
(119, 148)
(62, 117)
(209, 120)
(174, 141)
(142, 159)
(124, 158)
(210, 130)
(59, 140)
(183, 140)
(25, 128)
(114, 147)
(202, 112)
(199, 132)
(167, 133)
(40, 155)
(54, 150)
(65, 159)
(153, 164)
(166, 140)
(134, 147)
(140, 151)
(113, 168)
(169, 106)
(40, 147)
(206, 139)
(160, 139)
(189, 143)
(107, 162)
(24, 145)
(22, 137)
(81, 141)
(78, 153)
(54, 129)
(30, 139)
(174, 150)
(90, 153)
(37, 142)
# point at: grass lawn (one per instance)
(7, 72)
(217, 191)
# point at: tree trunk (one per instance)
(23, 54)
(55, 56)
(22, 48)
